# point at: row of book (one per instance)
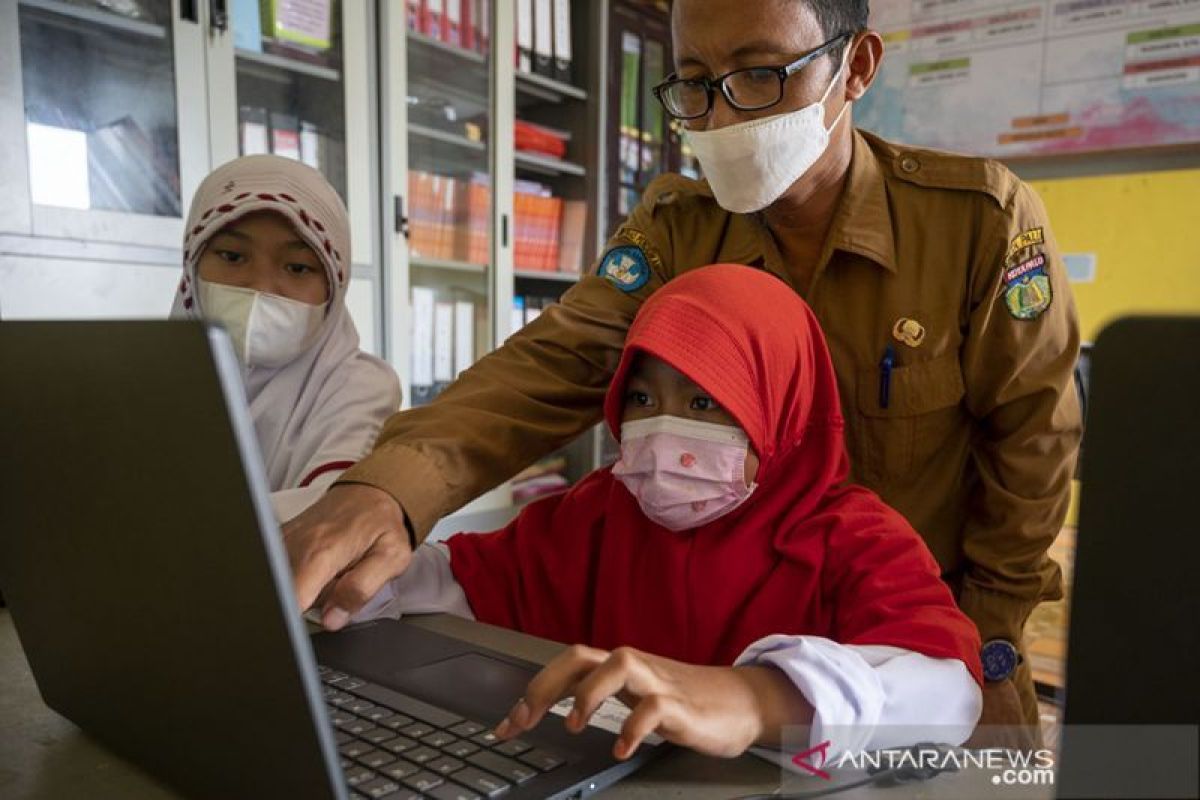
(449, 220)
(262, 131)
(449, 331)
(543, 30)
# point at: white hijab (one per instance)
(321, 412)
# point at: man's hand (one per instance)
(1002, 723)
(344, 548)
(718, 711)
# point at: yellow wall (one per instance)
(1145, 232)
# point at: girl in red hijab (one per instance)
(723, 578)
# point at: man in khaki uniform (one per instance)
(936, 279)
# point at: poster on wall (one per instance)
(1040, 77)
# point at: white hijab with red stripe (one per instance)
(321, 412)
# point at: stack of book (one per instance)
(449, 220)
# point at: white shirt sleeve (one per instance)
(871, 697)
(288, 503)
(428, 586)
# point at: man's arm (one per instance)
(1018, 362)
(543, 387)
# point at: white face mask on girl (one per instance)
(267, 330)
(683, 473)
(750, 165)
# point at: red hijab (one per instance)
(807, 553)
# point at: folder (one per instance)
(533, 308)
(525, 35)
(483, 22)
(415, 11)
(285, 136)
(247, 25)
(543, 37)
(452, 29)
(310, 145)
(518, 315)
(443, 345)
(423, 302)
(255, 139)
(562, 41)
(464, 336)
(434, 18)
(470, 33)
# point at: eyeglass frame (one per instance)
(712, 84)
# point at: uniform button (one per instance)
(910, 164)
(687, 460)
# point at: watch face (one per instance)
(999, 660)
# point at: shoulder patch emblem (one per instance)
(1027, 292)
(626, 268)
(1030, 238)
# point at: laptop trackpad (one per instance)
(471, 684)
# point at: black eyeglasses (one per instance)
(750, 89)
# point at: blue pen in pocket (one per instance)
(885, 376)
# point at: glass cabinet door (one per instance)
(109, 146)
(448, 197)
(290, 83)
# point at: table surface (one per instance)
(44, 756)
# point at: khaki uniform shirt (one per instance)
(941, 264)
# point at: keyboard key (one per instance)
(351, 684)
(460, 748)
(439, 739)
(399, 744)
(444, 765)
(417, 730)
(376, 759)
(450, 791)
(400, 769)
(513, 747)
(359, 706)
(339, 699)
(356, 775)
(480, 781)
(468, 728)
(359, 727)
(394, 721)
(506, 768)
(541, 760)
(323, 670)
(422, 781)
(380, 787)
(375, 714)
(337, 715)
(487, 738)
(354, 749)
(379, 735)
(333, 677)
(404, 704)
(341, 737)
(421, 755)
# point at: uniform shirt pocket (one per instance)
(922, 412)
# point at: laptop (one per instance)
(1132, 708)
(151, 592)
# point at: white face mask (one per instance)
(267, 330)
(750, 165)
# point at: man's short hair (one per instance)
(841, 16)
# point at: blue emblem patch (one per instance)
(626, 268)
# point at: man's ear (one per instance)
(866, 55)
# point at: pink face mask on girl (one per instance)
(683, 473)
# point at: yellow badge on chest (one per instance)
(908, 331)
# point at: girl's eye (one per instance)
(639, 399)
(231, 256)
(702, 403)
(299, 269)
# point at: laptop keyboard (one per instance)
(396, 747)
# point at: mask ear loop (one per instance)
(833, 82)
